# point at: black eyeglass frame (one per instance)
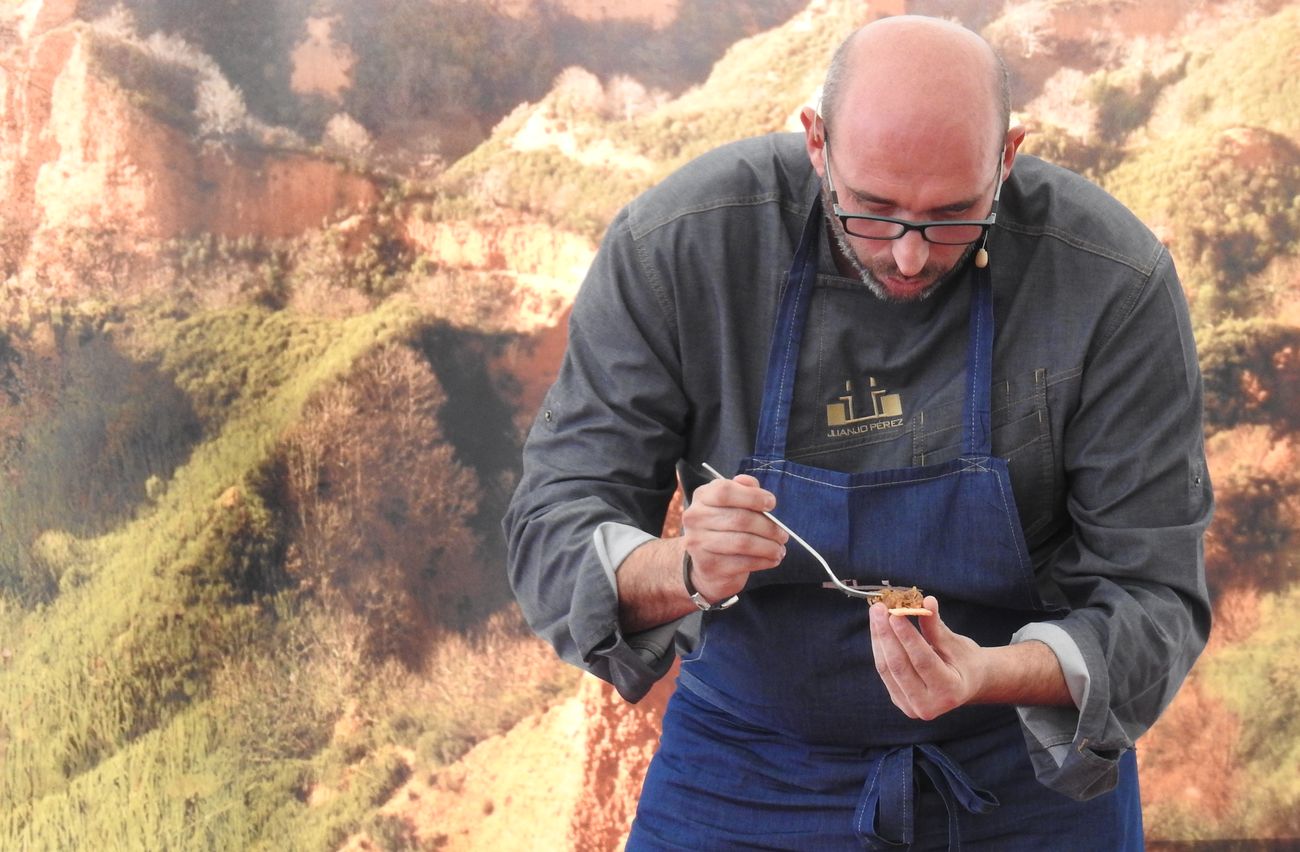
(905, 224)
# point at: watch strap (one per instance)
(701, 602)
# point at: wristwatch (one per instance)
(699, 599)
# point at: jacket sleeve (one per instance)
(603, 449)
(1139, 499)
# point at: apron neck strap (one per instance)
(783, 357)
(787, 336)
(978, 438)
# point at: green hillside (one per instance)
(175, 675)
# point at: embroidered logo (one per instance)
(886, 413)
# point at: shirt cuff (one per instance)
(613, 544)
(645, 655)
(1054, 727)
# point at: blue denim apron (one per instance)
(782, 734)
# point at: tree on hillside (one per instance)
(251, 40)
(379, 507)
(1230, 202)
(1252, 543)
(1251, 370)
(441, 59)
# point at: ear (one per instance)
(814, 138)
(1014, 138)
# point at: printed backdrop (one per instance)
(283, 282)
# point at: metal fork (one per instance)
(854, 591)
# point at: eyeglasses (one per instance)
(946, 232)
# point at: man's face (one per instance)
(919, 123)
(928, 266)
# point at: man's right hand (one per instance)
(728, 538)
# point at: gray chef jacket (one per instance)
(1097, 402)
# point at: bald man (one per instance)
(890, 351)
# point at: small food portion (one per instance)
(902, 601)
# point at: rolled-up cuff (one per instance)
(632, 662)
(1055, 727)
(1075, 751)
(1061, 755)
(613, 544)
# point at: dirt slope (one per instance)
(566, 778)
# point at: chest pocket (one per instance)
(1022, 434)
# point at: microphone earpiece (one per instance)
(982, 257)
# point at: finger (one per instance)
(732, 531)
(728, 520)
(898, 695)
(935, 631)
(930, 645)
(703, 517)
(720, 575)
(916, 666)
(723, 559)
(891, 660)
(924, 671)
(743, 492)
(712, 545)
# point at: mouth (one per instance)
(905, 286)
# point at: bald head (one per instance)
(918, 75)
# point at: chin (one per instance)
(886, 285)
(892, 291)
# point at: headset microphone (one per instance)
(982, 256)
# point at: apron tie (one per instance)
(886, 817)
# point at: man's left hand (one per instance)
(928, 671)
(933, 670)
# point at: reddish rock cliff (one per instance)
(80, 153)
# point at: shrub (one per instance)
(1229, 200)
(1251, 370)
(345, 136)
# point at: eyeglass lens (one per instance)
(875, 229)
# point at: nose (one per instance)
(911, 251)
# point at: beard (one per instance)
(872, 277)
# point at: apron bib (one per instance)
(795, 657)
(790, 665)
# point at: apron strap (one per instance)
(886, 815)
(978, 437)
(783, 356)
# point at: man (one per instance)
(939, 363)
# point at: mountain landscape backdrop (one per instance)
(282, 283)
